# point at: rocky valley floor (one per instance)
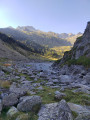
(36, 91)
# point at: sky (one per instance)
(60, 16)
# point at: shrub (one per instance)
(4, 84)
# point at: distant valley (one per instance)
(39, 44)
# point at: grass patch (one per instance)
(81, 61)
(20, 115)
(47, 95)
(74, 114)
(77, 98)
(3, 115)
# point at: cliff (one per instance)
(80, 52)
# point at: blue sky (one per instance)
(69, 16)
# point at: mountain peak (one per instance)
(87, 30)
(26, 28)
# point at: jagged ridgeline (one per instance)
(37, 42)
(28, 34)
(9, 46)
(80, 53)
(48, 45)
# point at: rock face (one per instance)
(81, 47)
(55, 111)
(29, 103)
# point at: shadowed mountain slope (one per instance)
(80, 53)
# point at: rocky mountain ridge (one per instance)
(80, 50)
(16, 50)
(26, 34)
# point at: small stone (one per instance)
(59, 95)
(12, 111)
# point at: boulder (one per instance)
(10, 100)
(55, 111)
(29, 103)
(14, 88)
(65, 79)
(64, 111)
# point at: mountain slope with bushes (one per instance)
(9, 46)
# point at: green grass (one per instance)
(3, 114)
(74, 114)
(46, 97)
(77, 98)
(30, 116)
(81, 61)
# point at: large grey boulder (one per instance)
(29, 103)
(55, 111)
(10, 100)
